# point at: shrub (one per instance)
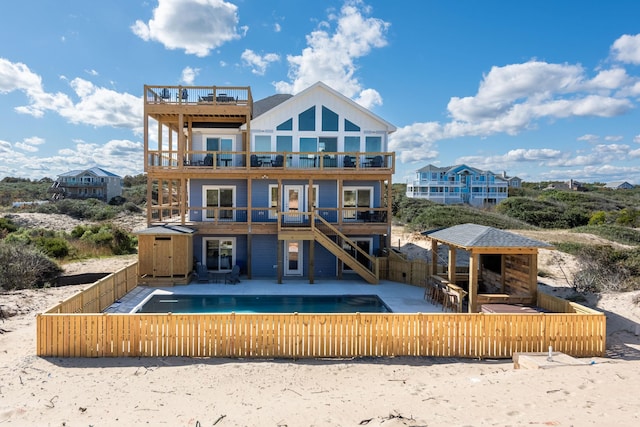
(604, 269)
(598, 218)
(55, 247)
(7, 225)
(25, 267)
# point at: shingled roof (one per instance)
(474, 236)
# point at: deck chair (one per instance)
(164, 93)
(255, 161)
(348, 162)
(233, 276)
(279, 161)
(377, 162)
(203, 273)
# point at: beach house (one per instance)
(460, 184)
(89, 183)
(286, 186)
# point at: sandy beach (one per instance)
(386, 392)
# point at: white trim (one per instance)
(231, 262)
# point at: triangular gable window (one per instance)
(286, 125)
(329, 120)
(350, 126)
(307, 120)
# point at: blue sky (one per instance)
(544, 90)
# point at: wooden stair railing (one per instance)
(370, 275)
(312, 232)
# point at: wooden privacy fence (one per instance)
(77, 328)
(318, 335)
(100, 294)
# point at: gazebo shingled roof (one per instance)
(469, 236)
(480, 240)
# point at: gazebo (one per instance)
(503, 266)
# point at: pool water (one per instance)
(264, 304)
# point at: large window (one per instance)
(219, 253)
(354, 199)
(352, 144)
(329, 120)
(307, 120)
(216, 198)
(284, 143)
(329, 145)
(263, 143)
(373, 144)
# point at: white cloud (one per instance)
(613, 138)
(197, 26)
(627, 49)
(189, 75)
(329, 57)
(277, 28)
(17, 76)
(258, 63)
(589, 138)
(636, 139)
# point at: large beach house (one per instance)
(285, 186)
(89, 183)
(460, 184)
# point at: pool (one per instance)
(264, 304)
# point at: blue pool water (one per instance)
(264, 304)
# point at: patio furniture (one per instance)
(208, 160)
(184, 95)
(233, 276)
(203, 272)
(348, 162)
(255, 161)
(279, 161)
(164, 93)
(377, 162)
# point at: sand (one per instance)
(385, 392)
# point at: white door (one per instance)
(293, 203)
(293, 258)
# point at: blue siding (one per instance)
(264, 256)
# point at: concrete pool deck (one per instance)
(399, 297)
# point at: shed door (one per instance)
(162, 259)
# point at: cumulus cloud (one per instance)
(94, 106)
(331, 53)
(197, 26)
(627, 49)
(258, 63)
(189, 75)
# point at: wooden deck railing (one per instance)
(76, 327)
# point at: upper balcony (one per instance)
(234, 162)
(222, 101)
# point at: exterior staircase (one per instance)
(313, 230)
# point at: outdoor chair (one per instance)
(255, 161)
(203, 273)
(377, 162)
(348, 162)
(208, 160)
(233, 276)
(164, 93)
(279, 161)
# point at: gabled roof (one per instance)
(453, 169)
(262, 106)
(270, 103)
(475, 236)
(96, 171)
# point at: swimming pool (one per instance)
(264, 304)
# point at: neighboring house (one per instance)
(90, 183)
(459, 184)
(513, 181)
(619, 185)
(288, 186)
(569, 185)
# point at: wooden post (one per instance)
(452, 264)
(473, 282)
(280, 260)
(434, 258)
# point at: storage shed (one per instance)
(503, 266)
(165, 255)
